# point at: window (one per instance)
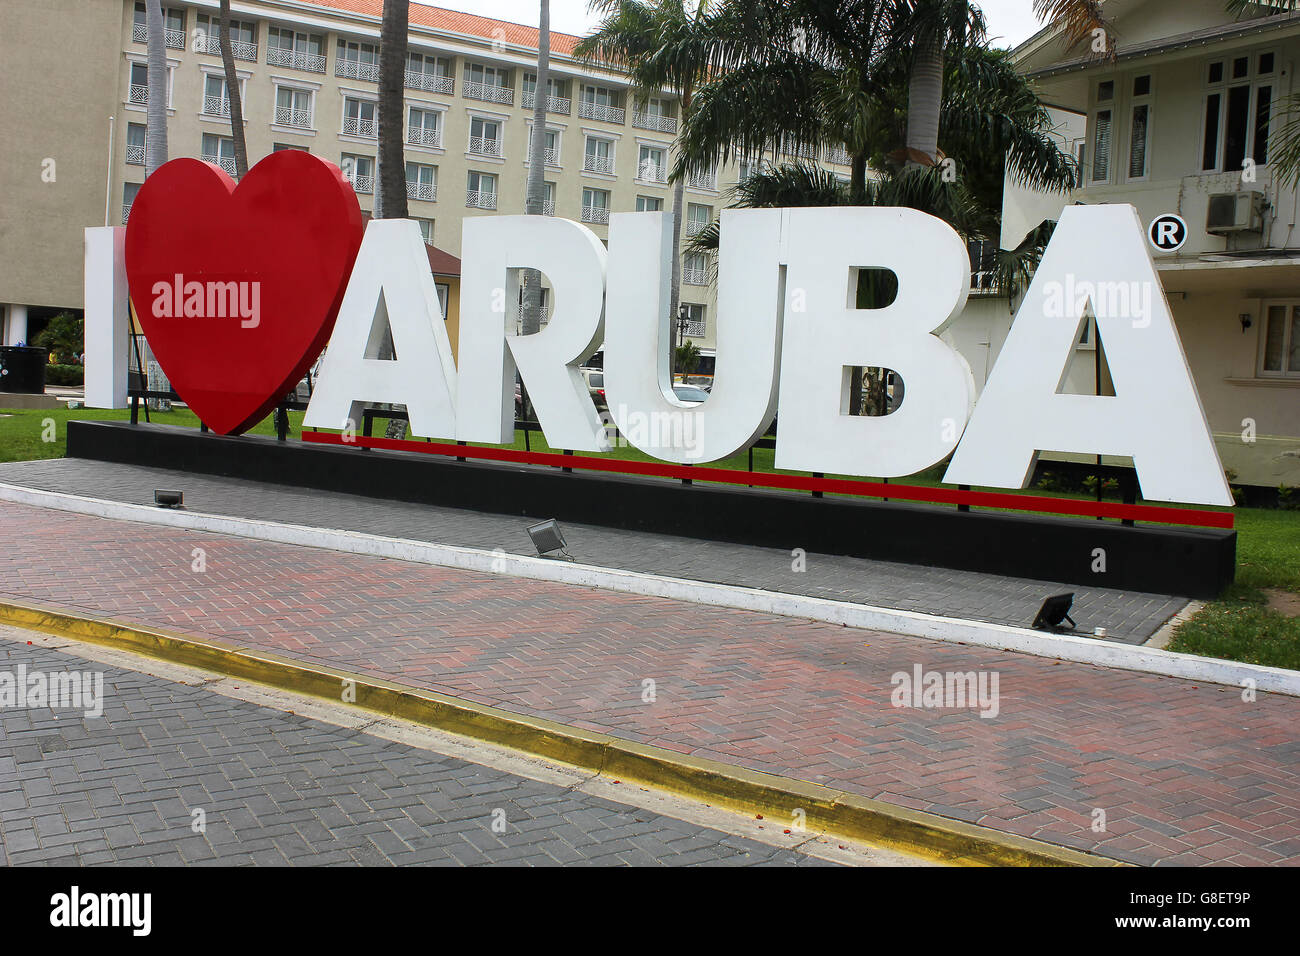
(423, 127)
(652, 165)
(243, 37)
(358, 61)
(491, 83)
(601, 103)
(1280, 354)
(138, 94)
(216, 97)
(1139, 128)
(695, 269)
(425, 71)
(595, 205)
(557, 93)
(1103, 132)
(426, 233)
(484, 137)
(129, 191)
(482, 191)
(293, 107)
(300, 51)
(698, 218)
(649, 204)
(135, 144)
(359, 118)
(548, 199)
(421, 182)
(1238, 113)
(173, 26)
(359, 171)
(599, 155)
(694, 325)
(219, 151)
(552, 147)
(276, 147)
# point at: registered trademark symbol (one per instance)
(1167, 233)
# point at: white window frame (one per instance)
(1100, 106)
(1255, 81)
(1284, 374)
(1130, 109)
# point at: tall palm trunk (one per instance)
(156, 104)
(924, 96)
(679, 210)
(392, 82)
(536, 195)
(232, 90)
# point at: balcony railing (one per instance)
(597, 164)
(705, 180)
(548, 207)
(840, 157)
(429, 82)
(652, 173)
(362, 184)
(487, 92)
(478, 199)
(139, 94)
(423, 136)
(135, 155)
(355, 70)
(551, 155)
(126, 212)
(597, 214)
(225, 162)
(175, 39)
(662, 124)
(693, 329)
(606, 114)
(484, 146)
(211, 43)
(356, 126)
(428, 192)
(695, 276)
(307, 62)
(216, 106)
(694, 227)
(554, 104)
(286, 116)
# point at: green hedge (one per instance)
(65, 375)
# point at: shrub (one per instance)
(65, 375)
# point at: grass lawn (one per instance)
(1238, 626)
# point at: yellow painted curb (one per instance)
(736, 788)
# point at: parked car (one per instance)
(596, 386)
(690, 394)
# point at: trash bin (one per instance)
(22, 369)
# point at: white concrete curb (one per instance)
(909, 623)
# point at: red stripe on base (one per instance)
(842, 486)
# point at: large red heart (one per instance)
(286, 236)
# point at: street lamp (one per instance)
(683, 316)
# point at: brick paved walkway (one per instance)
(1128, 616)
(1185, 774)
(277, 788)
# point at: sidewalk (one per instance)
(1185, 774)
(1129, 616)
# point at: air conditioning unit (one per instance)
(1235, 212)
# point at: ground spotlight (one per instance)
(168, 499)
(1054, 610)
(548, 537)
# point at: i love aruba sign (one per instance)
(239, 287)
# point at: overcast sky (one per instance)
(1010, 21)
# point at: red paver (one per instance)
(1184, 772)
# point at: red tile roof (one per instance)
(456, 22)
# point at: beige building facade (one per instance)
(76, 92)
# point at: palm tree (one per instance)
(391, 199)
(661, 45)
(232, 91)
(156, 101)
(535, 198)
(1080, 20)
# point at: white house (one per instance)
(1182, 121)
